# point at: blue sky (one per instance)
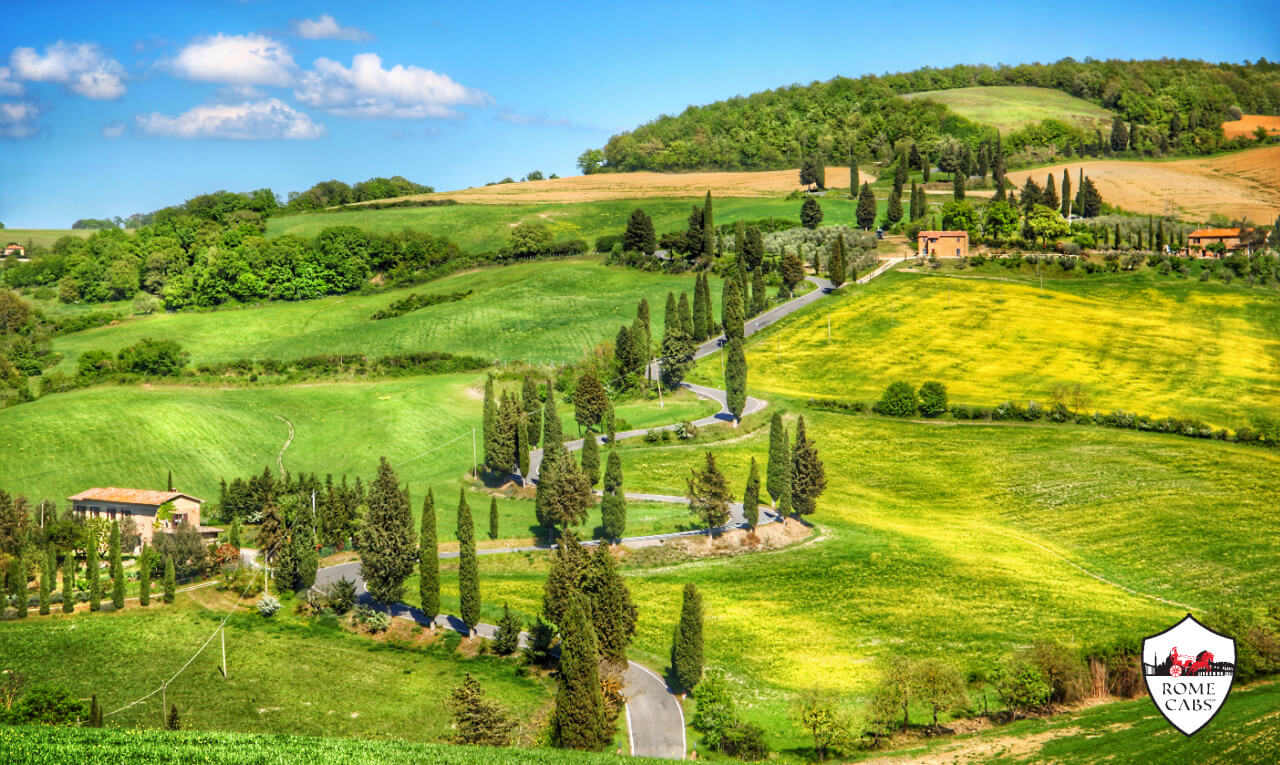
(111, 109)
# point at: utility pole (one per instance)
(475, 470)
(828, 328)
(661, 405)
(223, 632)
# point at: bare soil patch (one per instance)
(1249, 123)
(774, 536)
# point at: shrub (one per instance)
(899, 400)
(1020, 686)
(341, 595)
(268, 605)
(51, 705)
(538, 650)
(1062, 669)
(686, 430)
(373, 619)
(746, 741)
(1034, 411)
(933, 399)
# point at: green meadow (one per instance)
(1009, 107)
(485, 227)
(541, 312)
(1154, 347)
(44, 237)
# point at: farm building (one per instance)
(944, 244)
(1201, 238)
(142, 505)
(13, 248)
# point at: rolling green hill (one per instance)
(44, 237)
(1008, 108)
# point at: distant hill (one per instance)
(1010, 107)
(1176, 107)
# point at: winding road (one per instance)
(655, 717)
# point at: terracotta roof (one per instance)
(1215, 232)
(943, 233)
(130, 496)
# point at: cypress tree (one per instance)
(564, 578)
(233, 536)
(170, 480)
(306, 558)
(836, 265)
(642, 334)
(700, 309)
(48, 572)
(997, 169)
(532, 411)
(853, 175)
(731, 313)
(893, 213)
(957, 185)
(751, 496)
(1115, 242)
(91, 570)
(1160, 236)
(170, 580)
(810, 213)
(686, 648)
(739, 238)
(429, 559)
(117, 568)
(778, 470)
(866, 212)
(1049, 198)
(759, 297)
(468, 566)
(18, 584)
(1066, 193)
(493, 517)
(502, 455)
(685, 315)
(639, 235)
(387, 550)
(144, 576)
(708, 229)
(613, 506)
(808, 476)
(1119, 135)
(709, 317)
(490, 423)
(591, 459)
(173, 722)
(68, 582)
(735, 379)
(552, 433)
(578, 721)
(612, 613)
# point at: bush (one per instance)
(372, 619)
(1062, 669)
(686, 430)
(746, 741)
(51, 705)
(933, 399)
(268, 605)
(152, 357)
(1034, 411)
(341, 595)
(899, 400)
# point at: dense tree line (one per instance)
(1176, 106)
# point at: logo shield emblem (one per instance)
(1188, 670)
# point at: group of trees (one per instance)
(512, 425)
(1184, 101)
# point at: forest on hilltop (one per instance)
(1171, 107)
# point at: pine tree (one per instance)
(709, 494)
(68, 582)
(700, 309)
(686, 648)
(731, 313)
(837, 268)
(170, 580)
(468, 566)
(1066, 193)
(493, 517)
(429, 560)
(18, 585)
(48, 572)
(507, 637)
(612, 613)
(91, 570)
(735, 379)
(387, 552)
(866, 212)
(685, 314)
(613, 506)
(808, 476)
(564, 578)
(117, 568)
(778, 470)
(639, 236)
(578, 721)
(490, 423)
(591, 459)
(144, 576)
(751, 496)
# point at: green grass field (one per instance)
(44, 237)
(540, 312)
(1167, 347)
(485, 228)
(1011, 107)
(289, 675)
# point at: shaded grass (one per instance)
(1009, 107)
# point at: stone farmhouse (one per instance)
(943, 244)
(142, 505)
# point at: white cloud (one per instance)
(367, 90)
(113, 129)
(18, 119)
(249, 121)
(327, 28)
(83, 67)
(237, 59)
(7, 86)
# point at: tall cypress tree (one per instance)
(552, 431)
(1049, 197)
(751, 496)
(808, 476)
(578, 721)
(778, 471)
(836, 265)
(68, 582)
(117, 568)
(387, 552)
(612, 613)
(893, 213)
(429, 559)
(700, 309)
(685, 314)
(708, 229)
(997, 169)
(591, 459)
(957, 186)
(490, 422)
(170, 580)
(866, 211)
(91, 570)
(1066, 193)
(853, 175)
(468, 566)
(18, 584)
(709, 320)
(735, 379)
(686, 648)
(532, 411)
(564, 578)
(48, 572)
(613, 506)
(493, 517)
(144, 576)
(759, 295)
(731, 311)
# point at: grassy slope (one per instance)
(486, 227)
(1157, 346)
(44, 237)
(539, 312)
(285, 676)
(1012, 107)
